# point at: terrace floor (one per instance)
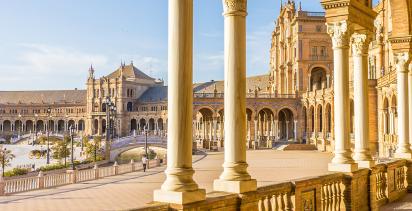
(135, 189)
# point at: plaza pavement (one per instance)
(133, 190)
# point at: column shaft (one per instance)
(179, 187)
(360, 45)
(235, 177)
(403, 150)
(342, 160)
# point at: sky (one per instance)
(49, 44)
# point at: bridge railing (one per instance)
(41, 181)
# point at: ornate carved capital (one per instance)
(339, 31)
(235, 7)
(360, 44)
(401, 61)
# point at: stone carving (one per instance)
(308, 200)
(359, 44)
(339, 31)
(401, 61)
(379, 29)
(234, 5)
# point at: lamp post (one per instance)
(47, 131)
(72, 130)
(35, 127)
(20, 125)
(110, 113)
(145, 142)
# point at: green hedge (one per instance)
(16, 172)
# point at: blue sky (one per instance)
(49, 44)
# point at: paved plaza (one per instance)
(135, 189)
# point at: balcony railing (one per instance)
(388, 78)
(248, 95)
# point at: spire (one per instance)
(131, 62)
(281, 4)
(91, 71)
(300, 5)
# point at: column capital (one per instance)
(401, 61)
(339, 31)
(360, 44)
(235, 7)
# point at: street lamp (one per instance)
(20, 125)
(35, 127)
(47, 131)
(145, 142)
(110, 114)
(71, 129)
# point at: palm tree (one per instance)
(6, 156)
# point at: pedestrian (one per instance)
(144, 162)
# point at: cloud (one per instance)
(258, 47)
(40, 66)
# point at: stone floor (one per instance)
(135, 189)
(404, 204)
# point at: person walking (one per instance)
(144, 162)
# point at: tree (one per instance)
(6, 156)
(60, 149)
(93, 147)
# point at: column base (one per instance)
(235, 186)
(343, 167)
(404, 155)
(366, 163)
(175, 197)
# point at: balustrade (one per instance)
(58, 179)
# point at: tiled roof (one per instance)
(40, 97)
(154, 94)
(261, 82)
(159, 93)
(130, 71)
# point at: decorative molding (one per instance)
(235, 7)
(360, 44)
(401, 61)
(339, 31)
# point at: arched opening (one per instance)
(7, 126)
(320, 118)
(133, 125)
(96, 126)
(206, 128)
(129, 106)
(18, 126)
(104, 126)
(151, 124)
(312, 119)
(160, 124)
(142, 124)
(80, 125)
(104, 107)
(328, 113)
(50, 126)
(386, 116)
(60, 126)
(40, 126)
(265, 118)
(285, 118)
(317, 78)
(71, 124)
(305, 119)
(29, 126)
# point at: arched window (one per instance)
(129, 106)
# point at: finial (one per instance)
(91, 71)
(300, 5)
(131, 62)
(281, 4)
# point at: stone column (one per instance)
(342, 161)
(360, 44)
(276, 134)
(256, 133)
(403, 150)
(287, 130)
(235, 177)
(410, 100)
(179, 187)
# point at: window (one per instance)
(318, 28)
(314, 51)
(300, 28)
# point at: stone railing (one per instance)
(365, 189)
(42, 181)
